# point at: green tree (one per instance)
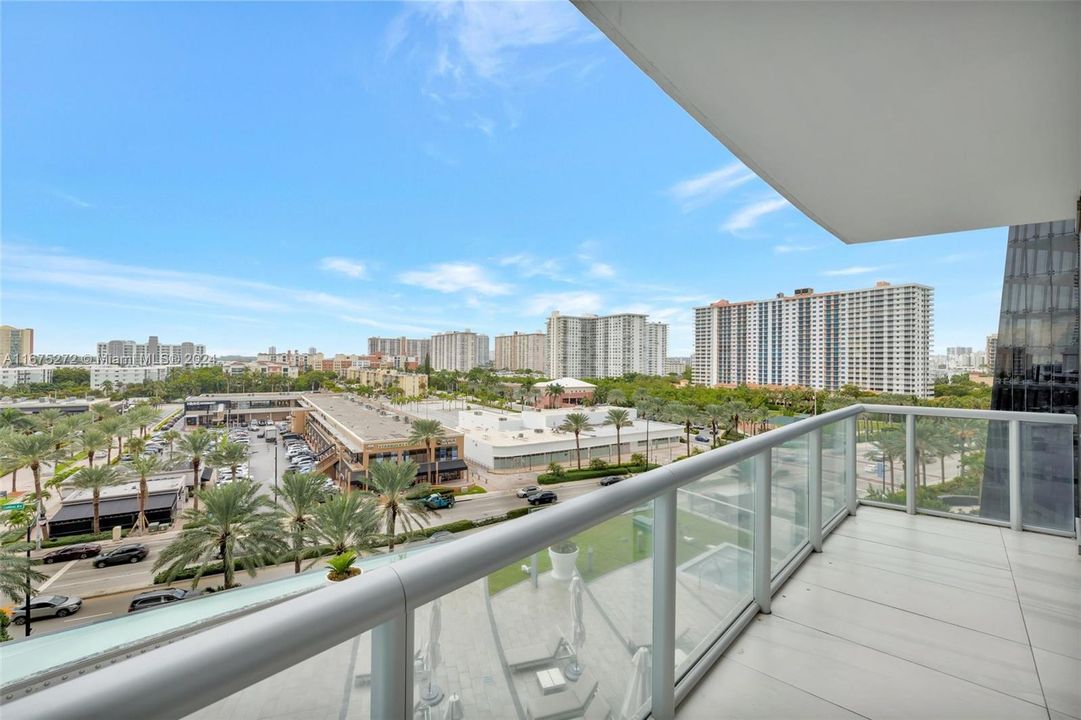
(142, 416)
(348, 521)
(229, 454)
(92, 441)
(576, 423)
(395, 495)
(195, 446)
(16, 420)
(616, 397)
(618, 418)
(170, 437)
(717, 415)
(236, 524)
(31, 451)
(428, 432)
(47, 419)
(144, 466)
(553, 392)
(686, 415)
(650, 408)
(301, 494)
(890, 441)
(16, 569)
(95, 479)
(114, 427)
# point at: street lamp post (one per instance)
(29, 526)
(275, 469)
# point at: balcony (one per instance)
(772, 578)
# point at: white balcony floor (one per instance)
(912, 617)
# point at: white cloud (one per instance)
(483, 123)
(343, 266)
(749, 216)
(531, 266)
(786, 248)
(397, 327)
(71, 199)
(568, 303)
(455, 277)
(854, 270)
(601, 270)
(704, 189)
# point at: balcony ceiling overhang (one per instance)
(878, 120)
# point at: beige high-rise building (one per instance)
(16, 345)
(461, 351)
(520, 351)
(605, 346)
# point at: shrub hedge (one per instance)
(76, 539)
(572, 475)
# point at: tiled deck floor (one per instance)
(912, 617)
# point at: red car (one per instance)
(72, 552)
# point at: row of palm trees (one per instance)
(238, 525)
(936, 439)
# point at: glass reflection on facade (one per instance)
(1036, 363)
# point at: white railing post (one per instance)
(664, 606)
(851, 498)
(910, 464)
(392, 669)
(763, 508)
(1014, 455)
(814, 488)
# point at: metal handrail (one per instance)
(178, 679)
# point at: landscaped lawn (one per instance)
(615, 544)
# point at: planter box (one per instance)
(564, 565)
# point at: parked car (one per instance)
(542, 498)
(611, 479)
(157, 598)
(72, 552)
(524, 492)
(123, 554)
(701, 438)
(46, 606)
(439, 501)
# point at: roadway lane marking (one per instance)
(45, 585)
(106, 577)
(85, 617)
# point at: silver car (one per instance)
(46, 606)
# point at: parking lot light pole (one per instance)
(29, 526)
(275, 469)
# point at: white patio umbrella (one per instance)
(454, 709)
(578, 628)
(433, 694)
(637, 693)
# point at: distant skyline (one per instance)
(245, 175)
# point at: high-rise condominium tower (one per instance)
(461, 351)
(16, 345)
(520, 351)
(605, 346)
(877, 339)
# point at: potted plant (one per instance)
(340, 567)
(564, 557)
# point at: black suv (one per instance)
(122, 554)
(542, 498)
(157, 598)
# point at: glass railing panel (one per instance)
(714, 557)
(789, 500)
(1047, 486)
(880, 458)
(566, 632)
(833, 470)
(954, 472)
(335, 683)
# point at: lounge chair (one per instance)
(570, 703)
(535, 655)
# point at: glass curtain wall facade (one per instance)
(1036, 363)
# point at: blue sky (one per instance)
(305, 174)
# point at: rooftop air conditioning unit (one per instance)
(502, 419)
(539, 431)
(477, 412)
(521, 435)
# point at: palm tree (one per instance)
(717, 415)
(618, 418)
(685, 414)
(736, 410)
(113, 427)
(16, 420)
(64, 430)
(969, 434)
(576, 423)
(47, 419)
(392, 484)
(28, 451)
(91, 441)
(136, 446)
(429, 432)
(617, 397)
(170, 437)
(229, 454)
(650, 408)
(302, 493)
(552, 392)
(347, 521)
(17, 573)
(891, 443)
(141, 416)
(144, 466)
(195, 446)
(94, 479)
(236, 524)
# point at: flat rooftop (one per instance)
(170, 482)
(226, 397)
(364, 419)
